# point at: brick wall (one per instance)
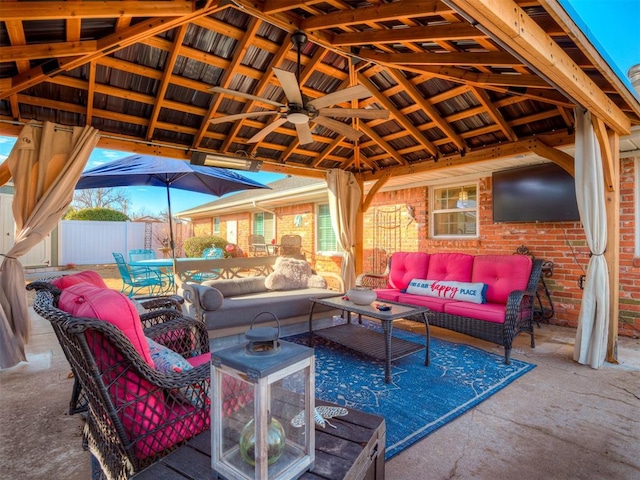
(562, 243)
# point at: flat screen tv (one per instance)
(536, 193)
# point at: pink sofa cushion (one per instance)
(490, 312)
(405, 266)
(503, 274)
(387, 294)
(88, 276)
(432, 303)
(454, 267)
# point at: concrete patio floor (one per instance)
(559, 421)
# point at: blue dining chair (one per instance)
(209, 253)
(138, 280)
(138, 254)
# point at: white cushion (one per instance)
(463, 291)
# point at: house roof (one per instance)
(464, 81)
(283, 191)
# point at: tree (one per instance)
(96, 214)
(113, 198)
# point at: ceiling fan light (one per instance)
(298, 118)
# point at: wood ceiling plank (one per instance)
(401, 119)
(95, 9)
(428, 109)
(470, 59)
(510, 24)
(383, 144)
(48, 50)
(378, 13)
(494, 113)
(458, 31)
(15, 32)
(279, 6)
(106, 45)
(225, 81)
(166, 77)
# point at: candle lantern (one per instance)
(262, 423)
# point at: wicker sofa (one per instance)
(490, 297)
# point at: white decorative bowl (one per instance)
(362, 295)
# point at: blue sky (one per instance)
(613, 24)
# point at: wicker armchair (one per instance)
(157, 310)
(135, 414)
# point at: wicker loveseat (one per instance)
(489, 297)
(136, 413)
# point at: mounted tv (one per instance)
(536, 193)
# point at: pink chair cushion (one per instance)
(140, 408)
(502, 274)
(87, 300)
(405, 266)
(88, 276)
(455, 267)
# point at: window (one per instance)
(454, 211)
(325, 236)
(264, 224)
(216, 226)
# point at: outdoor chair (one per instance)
(209, 253)
(138, 410)
(138, 254)
(139, 280)
(290, 245)
(257, 245)
(152, 311)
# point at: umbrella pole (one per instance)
(172, 244)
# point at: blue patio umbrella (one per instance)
(150, 171)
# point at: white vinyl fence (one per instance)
(86, 242)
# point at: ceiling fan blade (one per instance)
(248, 96)
(289, 84)
(304, 133)
(238, 116)
(267, 130)
(339, 127)
(366, 113)
(346, 95)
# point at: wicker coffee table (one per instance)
(381, 346)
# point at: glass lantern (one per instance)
(262, 424)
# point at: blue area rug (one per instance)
(420, 399)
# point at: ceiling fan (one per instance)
(299, 111)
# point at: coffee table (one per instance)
(381, 346)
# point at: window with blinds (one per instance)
(264, 224)
(325, 237)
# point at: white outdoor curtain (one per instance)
(45, 164)
(344, 202)
(593, 321)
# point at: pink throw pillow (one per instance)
(88, 276)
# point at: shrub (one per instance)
(97, 214)
(194, 246)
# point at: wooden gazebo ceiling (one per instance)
(462, 80)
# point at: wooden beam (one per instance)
(470, 59)
(612, 251)
(431, 112)
(510, 25)
(401, 119)
(608, 168)
(375, 188)
(494, 113)
(377, 13)
(458, 31)
(97, 9)
(48, 50)
(564, 160)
